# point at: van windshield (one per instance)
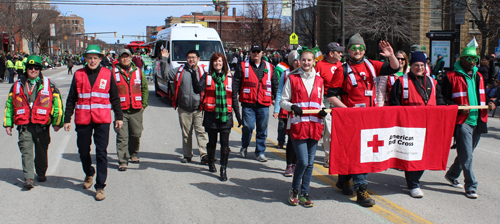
(204, 48)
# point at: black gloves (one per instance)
(238, 118)
(297, 110)
(322, 112)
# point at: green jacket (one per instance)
(57, 113)
(144, 84)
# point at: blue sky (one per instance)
(128, 20)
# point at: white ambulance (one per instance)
(179, 39)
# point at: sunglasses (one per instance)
(360, 48)
(32, 68)
(471, 59)
(255, 51)
(401, 59)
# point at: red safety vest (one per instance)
(127, 96)
(308, 125)
(283, 113)
(459, 95)
(411, 97)
(391, 79)
(358, 93)
(252, 90)
(177, 82)
(41, 109)
(93, 101)
(209, 99)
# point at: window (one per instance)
(473, 27)
(76, 21)
(205, 48)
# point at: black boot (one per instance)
(224, 156)
(211, 164)
(364, 198)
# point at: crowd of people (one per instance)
(206, 97)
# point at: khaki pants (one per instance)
(128, 138)
(189, 121)
(27, 138)
(327, 132)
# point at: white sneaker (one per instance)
(416, 192)
(454, 183)
(471, 194)
(261, 158)
(243, 152)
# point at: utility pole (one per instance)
(342, 25)
(293, 16)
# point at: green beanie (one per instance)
(356, 40)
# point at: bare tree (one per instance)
(305, 22)
(486, 16)
(263, 28)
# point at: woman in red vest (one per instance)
(303, 90)
(218, 106)
(416, 89)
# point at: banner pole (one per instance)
(330, 110)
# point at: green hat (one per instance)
(93, 49)
(469, 52)
(34, 60)
(356, 39)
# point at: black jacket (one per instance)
(114, 98)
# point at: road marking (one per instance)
(60, 150)
(60, 78)
(385, 208)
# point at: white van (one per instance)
(179, 39)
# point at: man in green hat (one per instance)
(465, 87)
(33, 104)
(92, 94)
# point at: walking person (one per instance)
(92, 94)
(2, 67)
(415, 89)
(281, 72)
(355, 82)
(10, 68)
(134, 93)
(304, 91)
(33, 104)
(70, 65)
(19, 66)
(188, 103)
(465, 87)
(218, 109)
(252, 81)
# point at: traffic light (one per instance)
(215, 1)
(115, 34)
(95, 35)
(65, 37)
(123, 36)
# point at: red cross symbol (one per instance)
(375, 143)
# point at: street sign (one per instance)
(497, 52)
(52, 30)
(294, 39)
(153, 37)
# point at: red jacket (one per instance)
(130, 93)
(209, 99)
(93, 101)
(42, 107)
(308, 125)
(253, 90)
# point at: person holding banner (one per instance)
(415, 89)
(465, 87)
(304, 90)
(355, 82)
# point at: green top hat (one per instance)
(34, 60)
(469, 52)
(93, 49)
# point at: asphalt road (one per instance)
(161, 189)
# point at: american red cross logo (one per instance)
(375, 143)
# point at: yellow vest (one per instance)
(10, 64)
(19, 65)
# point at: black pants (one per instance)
(413, 178)
(101, 139)
(212, 138)
(291, 158)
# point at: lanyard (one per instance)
(364, 79)
(424, 88)
(30, 90)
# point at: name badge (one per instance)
(21, 111)
(122, 99)
(229, 88)
(102, 84)
(41, 111)
(44, 92)
(246, 90)
(360, 105)
(138, 98)
(137, 81)
(368, 92)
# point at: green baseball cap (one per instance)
(469, 52)
(93, 49)
(34, 60)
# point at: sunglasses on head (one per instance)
(256, 51)
(360, 48)
(472, 59)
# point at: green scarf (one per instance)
(220, 97)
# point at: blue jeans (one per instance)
(252, 116)
(282, 131)
(467, 138)
(413, 178)
(358, 179)
(11, 75)
(305, 151)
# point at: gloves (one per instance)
(322, 113)
(238, 118)
(297, 110)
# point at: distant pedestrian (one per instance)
(70, 65)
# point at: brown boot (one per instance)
(29, 183)
(99, 195)
(87, 183)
